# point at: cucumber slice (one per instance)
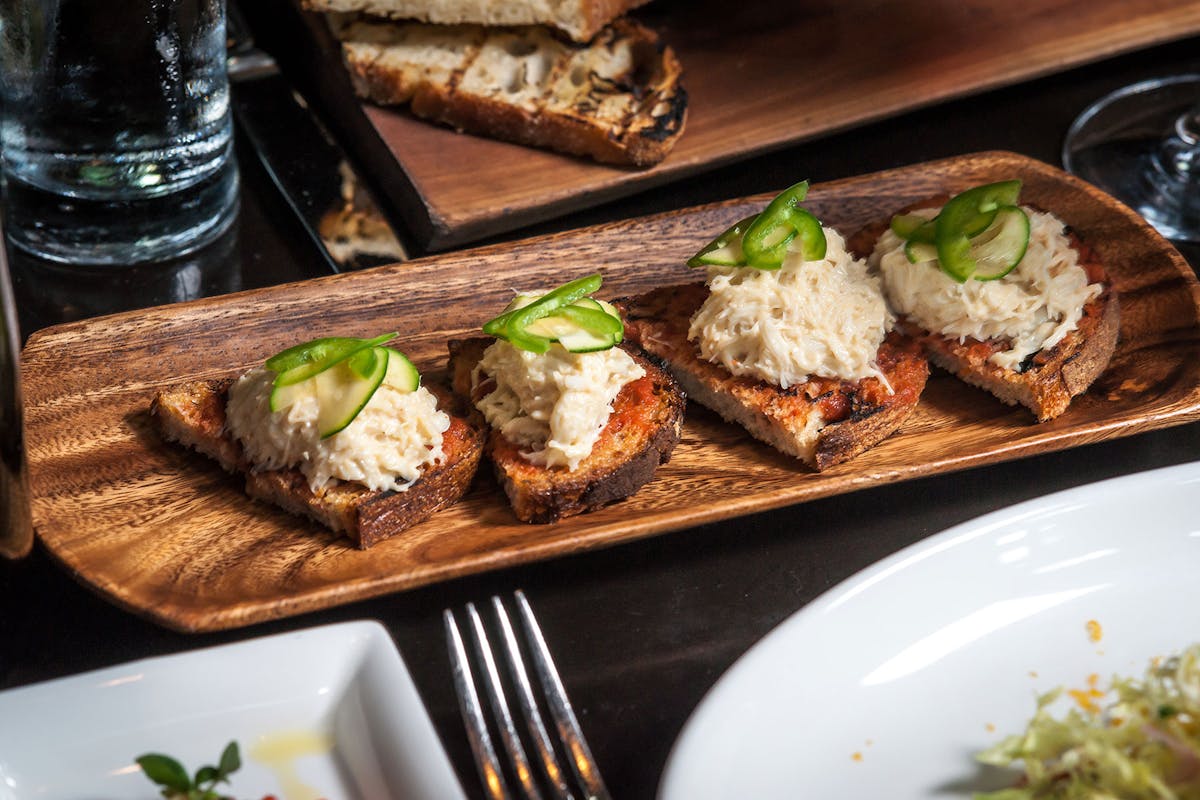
(285, 396)
(609, 308)
(343, 389)
(520, 301)
(999, 249)
(565, 315)
(571, 335)
(916, 252)
(342, 393)
(498, 325)
(401, 374)
(585, 326)
(598, 327)
(596, 320)
(996, 251)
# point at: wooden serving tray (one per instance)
(760, 77)
(165, 533)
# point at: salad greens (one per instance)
(1145, 745)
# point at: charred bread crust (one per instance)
(640, 435)
(649, 91)
(1049, 379)
(823, 421)
(193, 414)
(579, 20)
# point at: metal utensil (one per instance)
(16, 533)
(551, 778)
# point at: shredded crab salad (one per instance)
(1144, 745)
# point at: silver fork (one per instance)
(551, 776)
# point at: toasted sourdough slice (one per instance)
(640, 435)
(578, 19)
(823, 421)
(617, 99)
(1048, 379)
(193, 414)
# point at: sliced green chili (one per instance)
(726, 249)
(766, 241)
(301, 362)
(592, 319)
(913, 228)
(963, 214)
(513, 325)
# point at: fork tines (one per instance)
(550, 777)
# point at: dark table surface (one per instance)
(643, 630)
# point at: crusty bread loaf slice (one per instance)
(617, 99)
(822, 422)
(578, 19)
(1047, 380)
(640, 435)
(193, 414)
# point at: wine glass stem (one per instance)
(1180, 155)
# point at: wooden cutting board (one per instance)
(761, 76)
(164, 533)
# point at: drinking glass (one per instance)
(1141, 144)
(115, 129)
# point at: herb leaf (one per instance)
(165, 771)
(231, 761)
(170, 774)
(206, 775)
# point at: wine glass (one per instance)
(1141, 144)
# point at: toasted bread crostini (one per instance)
(194, 415)
(1045, 380)
(640, 434)
(617, 98)
(822, 421)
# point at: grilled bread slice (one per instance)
(617, 99)
(640, 435)
(578, 19)
(193, 414)
(1050, 378)
(823, 421)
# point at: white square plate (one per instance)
(337, 700)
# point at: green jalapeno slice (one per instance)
(913, 228)
(965, 213)
(303, 361)
(726, 249)
(999, 249)
(564, 315)
(767, 239)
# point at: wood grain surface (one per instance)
(760, 78)
(164, 533)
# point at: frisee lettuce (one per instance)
(1144, 745)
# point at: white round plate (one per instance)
(887, 685)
